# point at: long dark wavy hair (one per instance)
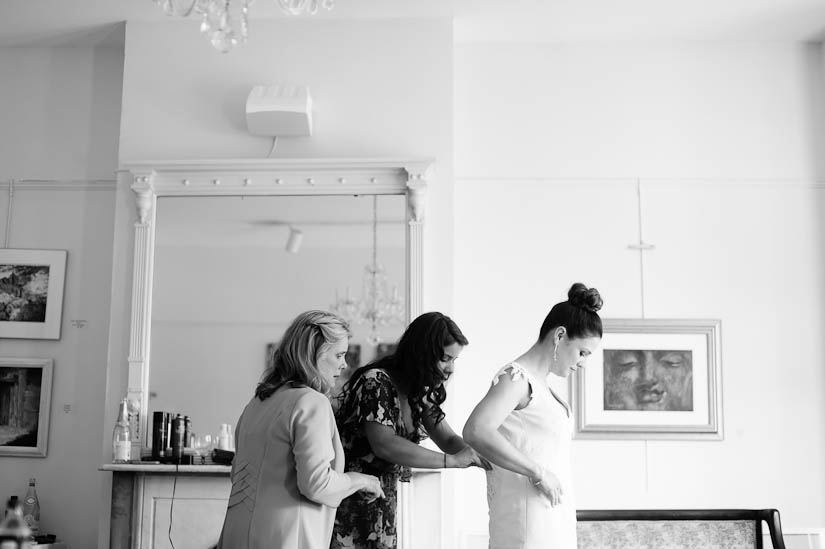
(413, 367)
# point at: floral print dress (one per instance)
(360, 525)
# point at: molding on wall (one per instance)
(21, 185)
(691, 181)
(253, 177)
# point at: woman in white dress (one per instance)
(524, 429)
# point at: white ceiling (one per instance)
(51, 22)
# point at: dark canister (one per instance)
(178, 429)
(187, 432)
(159, 429)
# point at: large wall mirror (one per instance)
(230, 273)
(228, 252)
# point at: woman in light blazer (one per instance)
(287, 474)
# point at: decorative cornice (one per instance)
(253, 177)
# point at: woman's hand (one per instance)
(548, 484)
(467, 457)
(370, 487)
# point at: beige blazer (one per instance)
(287, 475)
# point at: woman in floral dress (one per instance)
(385, 409)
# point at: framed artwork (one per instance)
(25, 397)
(31, 293)
(652, 379)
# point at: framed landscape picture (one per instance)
(652, 379)
(25, 397)
(31, 293)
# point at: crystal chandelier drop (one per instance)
(218, 16)
(376, 306)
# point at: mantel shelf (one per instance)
(156, 468)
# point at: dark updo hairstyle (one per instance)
(579, 314)
(413, 366)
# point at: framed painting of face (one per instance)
(652, 379)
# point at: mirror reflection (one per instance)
(231, 272)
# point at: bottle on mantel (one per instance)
(225, 437)
(31, 508)
(121, 438)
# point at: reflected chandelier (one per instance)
(376, 307)
(218, 16)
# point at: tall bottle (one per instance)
(225, 437)
(31, 508)
(121, 438)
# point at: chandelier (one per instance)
(218, 16)
(376, 306)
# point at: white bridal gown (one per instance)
(520, 517)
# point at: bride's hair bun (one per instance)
(585, 298)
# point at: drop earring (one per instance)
(555, 351)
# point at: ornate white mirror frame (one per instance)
(150, 180)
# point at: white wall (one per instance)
(725, 141)
(59, 110)
(700, 110)
(70, 217)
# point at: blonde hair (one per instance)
(296, 358)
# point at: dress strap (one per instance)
(516, 371)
